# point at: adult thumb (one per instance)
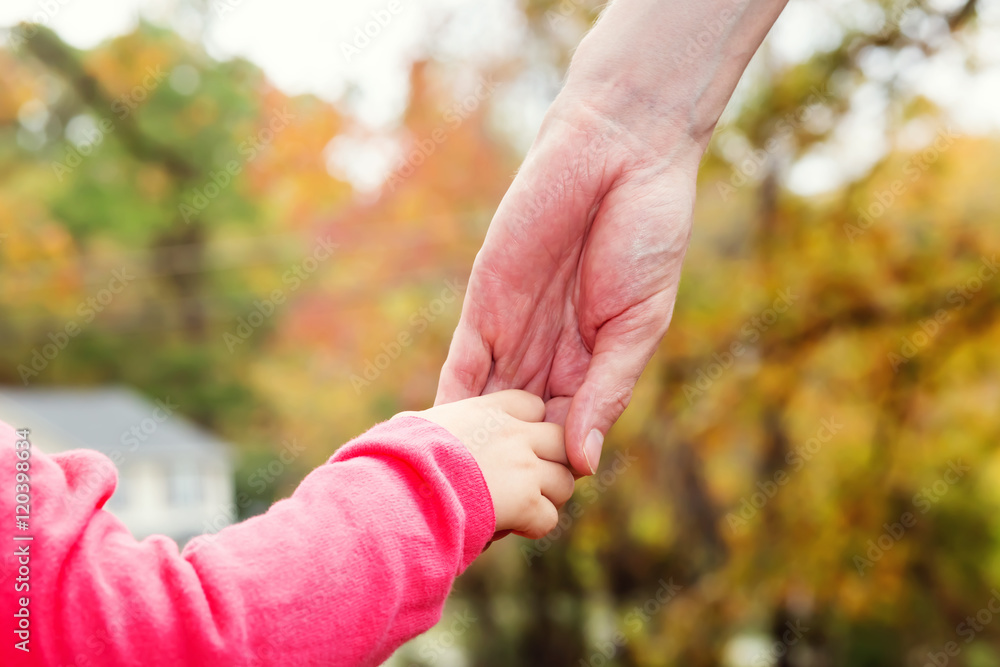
(620, 354)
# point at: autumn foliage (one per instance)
(807, 474)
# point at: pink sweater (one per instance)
(358, 560)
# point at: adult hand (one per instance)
(575, 284)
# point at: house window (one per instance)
(185, 485)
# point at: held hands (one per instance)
(575, 284)
(521, 457)
(576, 281)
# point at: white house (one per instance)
(174, 478)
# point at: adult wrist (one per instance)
(626, 102)
(667, 68)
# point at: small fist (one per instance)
(522, 458)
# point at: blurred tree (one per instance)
(806, 475)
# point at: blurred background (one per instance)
(244, 228)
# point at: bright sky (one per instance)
(300, 45)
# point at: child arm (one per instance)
(359, 559)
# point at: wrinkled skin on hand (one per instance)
(575, 284)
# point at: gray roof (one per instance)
(107, 419)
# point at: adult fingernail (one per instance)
(592, 449)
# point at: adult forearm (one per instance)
(667, 68)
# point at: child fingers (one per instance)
(556, 482)
(519, 404)
(547, 442)
(543, 520)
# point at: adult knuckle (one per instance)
(624, 396)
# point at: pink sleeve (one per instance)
(359, 559)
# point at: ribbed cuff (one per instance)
(441, 458)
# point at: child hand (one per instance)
(522, 458)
